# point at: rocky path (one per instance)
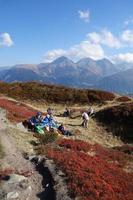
(26, 181)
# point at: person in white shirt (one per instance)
(85, 118)
(90, 111)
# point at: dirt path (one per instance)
(13, 159)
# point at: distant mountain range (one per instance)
(86, 73)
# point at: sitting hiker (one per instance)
(35, 120)
(50, 111)
(85, 118)
(52, 122)
(45, 121)
(48, 122)
(66, 113)
(61, 128)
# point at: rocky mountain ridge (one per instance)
(86, 73)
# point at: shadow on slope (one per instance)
(118, 119)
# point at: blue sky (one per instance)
(35, 31)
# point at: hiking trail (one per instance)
(26, 183)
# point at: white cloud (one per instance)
(86, 49)
(94, 37)
(93, 47)
(127, 57)
(84, 15)
(76, 52)
(53, 54)
(127, 36)
(105, 37)
(5, 40)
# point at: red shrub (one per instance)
(92, 177)
(54, 93)
(17, 112)
(123, 99)
(100, 152)
(100, 96)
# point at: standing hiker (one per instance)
(85, 118)
(90, 111)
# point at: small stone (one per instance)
(47, 185)
(12, 195)
(23, 185)
(29, 188)
(60, 173)
(14, 178)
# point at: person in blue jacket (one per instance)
(35, 120)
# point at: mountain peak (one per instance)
(85, 60)
(105, 61)
(62, 59)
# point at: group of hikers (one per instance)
(40, 123)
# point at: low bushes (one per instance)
(123, 99)
(16, 112)
(92, 177)
(47, 138)
(119, 119)
(53, 93)
(98, 150)
(100, 96)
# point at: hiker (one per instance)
(35, 120)
(49, 122)
(39, 128)
(90, 111)
(66, 113)
(85, 118)
(61, 129)
(50, 111)
(45, 121)
(52, 122)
